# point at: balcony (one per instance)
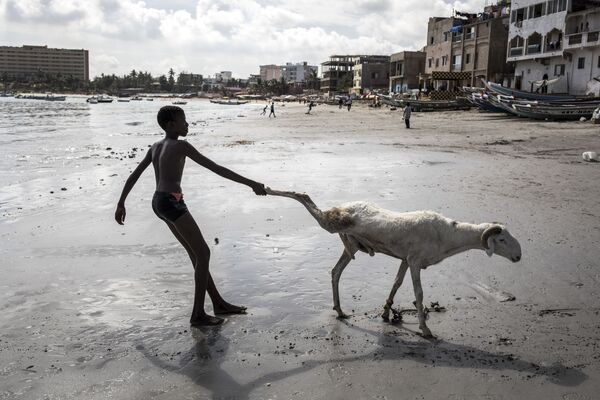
(592, 37)
(457, 38)
(515, 51)
(575, 39)
(534, 48)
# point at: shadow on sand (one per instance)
(202, 362)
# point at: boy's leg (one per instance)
(220, 306)
(189, 231)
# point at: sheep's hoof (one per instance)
(427, 333)
(340, 313)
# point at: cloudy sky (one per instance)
(206, 36)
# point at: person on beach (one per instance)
(264, 111)
(272, 110)
(349, 103)
(406, 115)
(310, 106)
(168, 158)
(340, 102)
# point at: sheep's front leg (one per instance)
(397, 283)
(415, 273)
(336, 272)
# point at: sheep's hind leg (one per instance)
(397, 283)
(336, 273)
(415, 273)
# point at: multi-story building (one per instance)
(555, 40)
(405, 69)
(270, 72)
(370, 73)
(27, 61)
(297, 73)
(223, 76)
(464, 49)
(337, 74)
(344, 74)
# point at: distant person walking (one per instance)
(264, 111)
(349, 103)
(340, 102)
(406, 115)
(272, 110)
(310, 106)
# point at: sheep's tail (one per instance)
(306, 202)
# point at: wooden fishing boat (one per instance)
(497, 88)
(229, 102)
(562, 112)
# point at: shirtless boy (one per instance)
(168, 158)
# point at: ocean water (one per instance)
(43, 143)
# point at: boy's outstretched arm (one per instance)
(120, 212)
(191, 152)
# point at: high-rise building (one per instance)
(27, 61)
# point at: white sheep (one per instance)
(419, 239)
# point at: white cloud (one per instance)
(221, 34)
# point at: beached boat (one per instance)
(180, 103)
(228, 102)
(497, 88)
(562, 112)
(123, 100)
(136, 98)
(428, 105)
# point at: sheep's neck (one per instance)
(465, 237)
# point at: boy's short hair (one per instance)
(166, 114)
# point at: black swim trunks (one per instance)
(167, 207)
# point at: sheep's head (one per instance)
(497, 240)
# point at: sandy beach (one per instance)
(94, 310)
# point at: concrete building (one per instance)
(297, 73)
(337, 74)
(344, 74)
(27, 61)
(557, 39)
(370, 73)
(466, 48)
(223, 76)
(405, 69)
(270, 72)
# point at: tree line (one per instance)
(146, 82)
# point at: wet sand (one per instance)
(90, 309)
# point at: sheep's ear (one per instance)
(493, 230)
(490, 246)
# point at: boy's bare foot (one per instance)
(227, 308)
(206, 320)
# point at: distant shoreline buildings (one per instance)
(531, 45)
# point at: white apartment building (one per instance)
(297, 73)
(223, 76)
(555, 39)
(27, 61)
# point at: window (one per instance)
(437, 62)
(559, 69)
(581, 63)
(598, 61)
(445, 36)
(429, 62)
(467, 58)
(562, 5)
(430, 40)
(444, 60)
